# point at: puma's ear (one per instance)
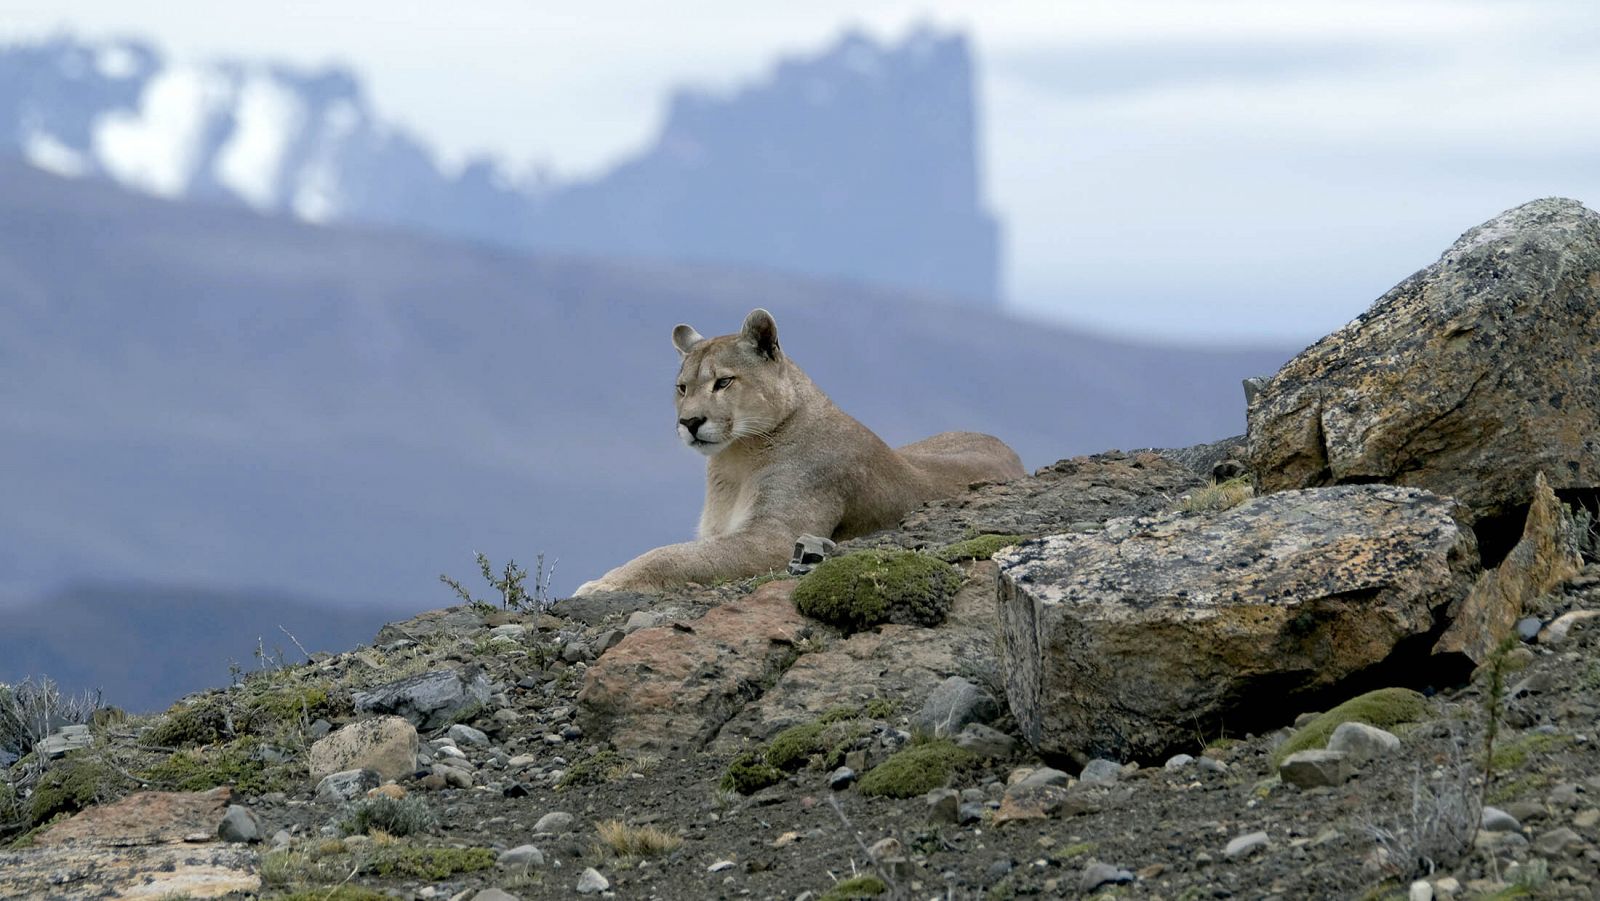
(684, 338)
(761, 330)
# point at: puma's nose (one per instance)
(693, 425)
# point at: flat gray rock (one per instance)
(430, 700)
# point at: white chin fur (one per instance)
(708, 448)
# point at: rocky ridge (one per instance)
(1156, 688)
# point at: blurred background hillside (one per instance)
(301, 304)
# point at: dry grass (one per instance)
(622, 840)
(1218, 496)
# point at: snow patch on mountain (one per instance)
(266, 119)
(157, 147)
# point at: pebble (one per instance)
(591, 882)
(944, 805)
(985, 741)
(639, 619)
(1177, 762)
(523, 857)
(239, 824)
(719, 866)
(841, 778)
(1310, 769)
(466, 735)
(1565, 795)
(1555, 841)
(1211, 765)
(556, 821)
(1497, 820)
(1360, 742)
(1528, 628)
(493, 894)
(1420, 890)
(1100, 772)
(1098, 874)
(1042, 776)
(970, 812)
(1245, 845)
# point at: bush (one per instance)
(402, 816)
(749, 773)
(244, 764)
(916, 770)
(864, 589)
(623, 840)
(596, 769)
(76, 782)
(432, 864)
(31, 710)
(855, 888)
(1384, 708)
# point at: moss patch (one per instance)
(1514, 755)
(414, 862)
(334, 893)
(916, 770)
(749, 773)
(824, 742)
(1383, 708)
(597, 769)
(189, 725)
(863, 589)
(854, 888)
(71, 785)
(394, 816)
(980, 548)
(243, 764)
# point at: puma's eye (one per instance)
(722, 383)
(682, 390)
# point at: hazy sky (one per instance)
(1226, 170)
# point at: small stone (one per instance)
(522, 857)
(985, 741)
(68, 738)
(466, 735)
(1497, 820)
(1361, 742)
(1446, 886)
(453, 777)
(1587, 819)
(1177, 762)
(1555, 841)
(952, 705)
(493, 894)
(841, 778)
(607, 640)
(970, 812)
(239, 824)
(555, 822)
(719, 866)
(1527, 809)
(571, 732)
(1246, 845)
(1043, 776)
(346, 785)
(509, 630)
(575, 651)
(1211, 765)
(885, 848)
(640, 619)
(998, 870)
(590, 882)
(514, 790)
(281, 839)
(522, 760)
(1100, 772)
(1420, 890)
(1528, 628)
(1098, 874)
(388, 790)
(944, 805)
(1566, 795)
(1310, 769)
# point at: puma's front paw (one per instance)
(593, 586)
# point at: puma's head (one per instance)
(734, 387)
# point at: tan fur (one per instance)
(784, 461)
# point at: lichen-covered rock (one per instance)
(386, 745)
(1546, 556)
(868, 588)
(1465, 379)
(1123, 643)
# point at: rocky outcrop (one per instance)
(147, 845)
(1122, 643)
(1465, 379)
(386, 745)
(1546, 556)
(430, 700)
(671, 687)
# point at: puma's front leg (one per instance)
(752, 551)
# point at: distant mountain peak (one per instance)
(857, 162)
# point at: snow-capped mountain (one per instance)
(859, 162)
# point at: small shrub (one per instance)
(623, 840)
(30, 711)
(596, 769)
(414, 862)
(77, 782)
(867, 588)
(335, 893)
(824, 741)
(399, 817)
(916, 770)
(855, 888)
(980, 548)
(879, 709)
(1383, 708)
(189, 725)
(749, 773)
(513, 596)
(242, 764)
(1219, 496)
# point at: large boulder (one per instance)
(1466, 379)
(386, 745)
(1122, 643)
(429, 700)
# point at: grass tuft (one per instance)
(622, 840)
